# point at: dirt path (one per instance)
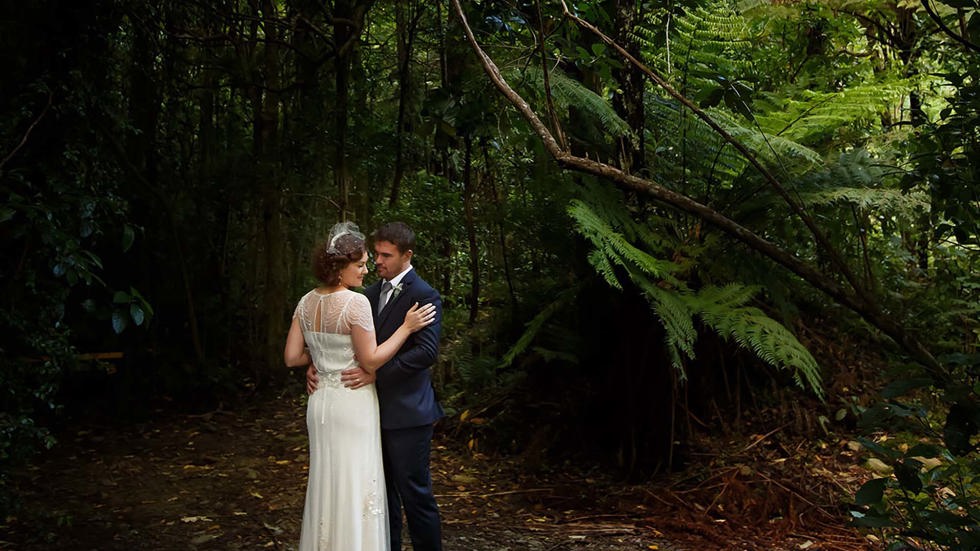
(236, 480)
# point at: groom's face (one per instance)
(390, 260)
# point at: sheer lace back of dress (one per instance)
(334, 313)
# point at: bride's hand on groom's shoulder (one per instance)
(418, 317)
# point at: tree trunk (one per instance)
(629, 102)
(147, 122)
(341, 172)
(348, 23)
(468, 209)
(407, 24)
(499, 214)
(312, 117)
(266, 135)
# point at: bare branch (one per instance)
(28, 132)
(556, 124)
(854, 300)
(935, 17)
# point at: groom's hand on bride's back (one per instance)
(356, 377)
(311, 379)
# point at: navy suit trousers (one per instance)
(409, 484)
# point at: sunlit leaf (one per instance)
(128, 237)
(136, 313)
(119, 321)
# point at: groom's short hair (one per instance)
(396, 233)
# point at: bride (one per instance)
(333, 328)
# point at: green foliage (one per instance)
(811, 117)
(129, 306)
(710, 45)
(616, 247)
(235, 155)
(691, 152)
(63, 215)
(670, 145)
(926, 430)
(932, 495)
(858, 179)
(536, 325)
(721, 309)
(932, 428)
(944, 159)
(54, 246)
(568, 93)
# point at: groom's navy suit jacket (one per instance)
(404, 384)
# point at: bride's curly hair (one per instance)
(345, 245)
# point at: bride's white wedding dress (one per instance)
(346, 508)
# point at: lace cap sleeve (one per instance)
(298, 312)
(359, 313)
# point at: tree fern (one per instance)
(707, 156)
(774, 149)
(605, 268)
(721, 309)
(682, 142)
(854, 179)
(713, 48)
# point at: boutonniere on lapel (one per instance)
(395, 291)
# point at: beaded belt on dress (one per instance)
(329, 379)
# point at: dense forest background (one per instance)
(648, 220)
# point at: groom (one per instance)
(405, 395)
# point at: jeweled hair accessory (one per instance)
(338, 246)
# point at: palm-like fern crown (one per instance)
(707, 43)
(637, 252)
(708, 52)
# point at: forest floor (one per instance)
(236, 480)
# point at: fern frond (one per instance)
(770, 148)
(812, 115)
(677, 318)
(710, 157)
(615, 246)
(646, 34)
(534, 326)
(771, 9)
(568, 92)
(720, 309)
(684, 141)
(731, 295)
(857, 179)
(711, 40)
(889, 200)
(601, 263)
